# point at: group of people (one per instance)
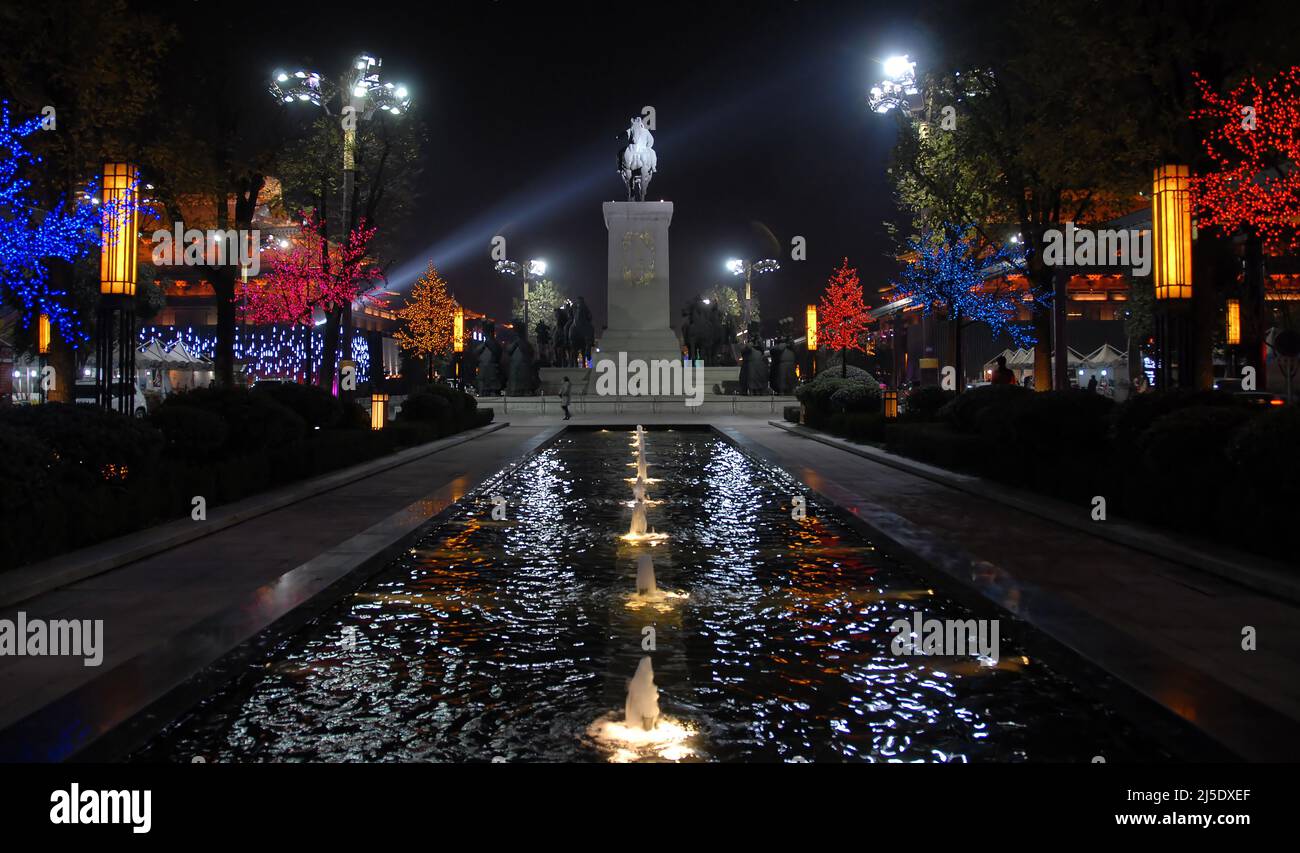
(1003, 375)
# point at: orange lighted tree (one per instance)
(427, 318)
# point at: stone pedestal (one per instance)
(640, 317)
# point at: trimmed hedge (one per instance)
(829, 393)
(1205, 463)
(444, 409)
(77, 475)
(924, 403)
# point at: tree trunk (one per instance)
(223, 284)
(954, 348)
(1043, 351)
(1254, 315)
(328, 360)
(1060, 338)
(61, 356)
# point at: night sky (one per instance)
(763, 133)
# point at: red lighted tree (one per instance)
(1253, 137)
(311, 273)
(842, 315)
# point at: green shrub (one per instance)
(937, 444)
(791, 413)
(190, 432)
(1184, 461)
(1136, 414)
(924, 403)
(318, 408)
(254, 421)
(425, 407)
(963, 411)
(816, 395)
(88, 445)
(858, 426)
(855, 399)
(1263, 453)
(354, 416)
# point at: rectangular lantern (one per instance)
(458, 330)
(43, 334)
(120, 226)
(1171, 226)
(812, 327)
(891, 404)
(378, 410)
(1234, 321)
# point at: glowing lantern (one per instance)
(1234, 321)
(812, 327)
(378, 410)
(891, 404)
(1171, 223)
(458, 331)
(121, 224)
(43, 334)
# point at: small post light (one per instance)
(891, 404)
(378, 410)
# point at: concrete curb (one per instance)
(1257, 573)
(18, 585)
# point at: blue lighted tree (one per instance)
(31, 237)
(948, 269)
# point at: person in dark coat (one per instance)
(1002, 374)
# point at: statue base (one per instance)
(640, 318)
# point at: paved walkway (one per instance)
(1172, 632)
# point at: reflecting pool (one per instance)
(768, 637)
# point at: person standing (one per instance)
(1002, 374)
(566, 392)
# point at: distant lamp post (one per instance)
(118, 253)
(747, 269)
(361, 94)
(1234, 322)
(458, 337)
(890, 398)
(1171, 238)
(43, 335)
(532, 271)
(810, 332)
(378, 410)
(897, 87)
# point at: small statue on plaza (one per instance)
(488, 355)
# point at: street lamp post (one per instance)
(531, 271)
(747, 269)
(361, 95)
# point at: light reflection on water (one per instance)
(509, 639)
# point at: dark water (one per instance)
(506, 640)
